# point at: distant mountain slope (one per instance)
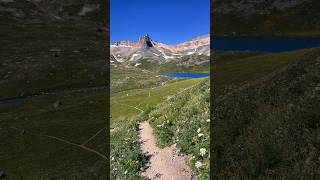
(146, 47)
(261, 17)
(269, 129)
(35, 11)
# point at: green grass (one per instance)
(230, 72)
(182, 105)
(79, 118)
(122, 105)
(184, 64)
(184, 119)
(28, 67)
(123, 79)
(269, 129)
(134, 96)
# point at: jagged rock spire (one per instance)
(146, 41)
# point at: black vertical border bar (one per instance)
(106, 14)
(212, 95)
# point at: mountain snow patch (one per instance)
(133, 56)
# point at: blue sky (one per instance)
(167, 21)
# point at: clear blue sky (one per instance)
(167, 21)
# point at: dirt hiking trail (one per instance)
(165, 164)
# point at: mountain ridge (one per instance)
(145, 46)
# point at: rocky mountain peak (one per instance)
(146, 42)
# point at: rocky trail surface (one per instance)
(166, 163)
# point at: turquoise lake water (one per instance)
(185, 75)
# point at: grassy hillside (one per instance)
(186, 124)
(126, 158)
(138, 93)
(268, 128)
(59, 64)
(125, 78)
(232, 69)
(55, 57)
(53, 70)
(126, 107)
(184, 119)
(29, 149)
(191, 63)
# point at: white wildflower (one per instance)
(200, 134)
(198, 164)
(199, 130)
(203, 151)
(159, 125)
(112, 158)
(208, 120)
(126, 172)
